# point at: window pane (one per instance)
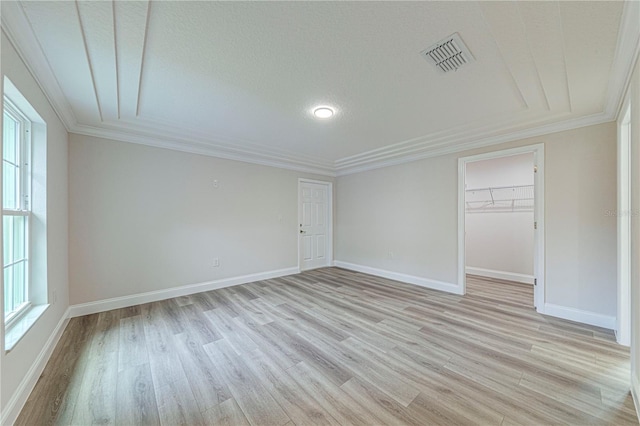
(11, 133)
(7, 243)
(15, 290)
(8, 291)
(19, 237)
(9, 186)
(11, 162)
(19, 289)
(15, 261)
(15, 237)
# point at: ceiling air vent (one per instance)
(448, 54)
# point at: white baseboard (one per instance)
(635, 393)
(20, 396)
(410, 279)
(579, 315)
(153, 296)
(622, 340)
(500, 275)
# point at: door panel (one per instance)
(314, 214)
(307, 244)
(307, 214)
(321, 244)
(320, 212)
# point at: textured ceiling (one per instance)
(238, 79)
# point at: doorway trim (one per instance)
(329, 186)
(624, 214)
(538, 216)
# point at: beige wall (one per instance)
(634, 96)
(411, 209)
(146, 219)
(580, 186)
(15, 364)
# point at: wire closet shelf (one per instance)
(500, 199)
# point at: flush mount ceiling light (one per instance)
(323, 112)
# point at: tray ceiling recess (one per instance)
(449, 54)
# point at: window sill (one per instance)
(18, 329)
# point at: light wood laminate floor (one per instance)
(332, 346)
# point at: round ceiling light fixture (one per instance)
(323, 112)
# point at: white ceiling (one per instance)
(239, 79)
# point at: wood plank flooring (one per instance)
(334, 347)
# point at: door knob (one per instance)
(303, 232)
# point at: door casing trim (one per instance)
(539, 243)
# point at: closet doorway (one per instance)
(501, 225)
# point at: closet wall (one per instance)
(499, 218)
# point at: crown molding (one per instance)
(162, 129)
(205, 147)
(454, 144)
(460, 135)
(17, 28)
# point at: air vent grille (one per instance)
(448, 54)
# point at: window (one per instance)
(24, 216)
(16, 211)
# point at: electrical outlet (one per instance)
(216, 262)
(390, 254)
(216, 184)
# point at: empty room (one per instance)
(345, 213)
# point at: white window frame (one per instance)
(24, 205)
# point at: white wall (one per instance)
(499, 244)
(16, 364)
(146, 219)
(503, 171)
(411, 209)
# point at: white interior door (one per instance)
(315, 220)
